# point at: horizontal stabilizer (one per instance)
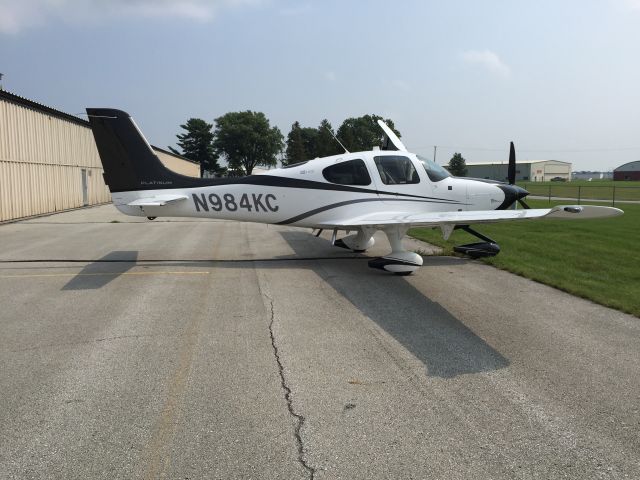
(156, 201)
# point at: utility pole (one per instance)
(1, 75)
(435, 149)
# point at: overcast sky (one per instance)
(559, 78)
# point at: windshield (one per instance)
(435, 171)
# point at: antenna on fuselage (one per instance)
(334, 136)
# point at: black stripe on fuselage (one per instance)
(283, 182)
(331, 206)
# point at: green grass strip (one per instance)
(594, 259)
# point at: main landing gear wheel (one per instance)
(399, 261)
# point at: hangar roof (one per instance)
(628, 167)
(25, 102)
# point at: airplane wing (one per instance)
(481, 216)
(157, 200)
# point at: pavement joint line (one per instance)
(300, 419)
(98, 274)
(95, 340)
(187, 260)
(112, 222)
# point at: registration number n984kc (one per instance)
(251, 202)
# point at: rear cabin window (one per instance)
(351, 172)
(396, 170)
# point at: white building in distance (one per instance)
(526, 170)
(592, 175)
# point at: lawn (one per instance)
(595, 182)
(594, 259)
(597, 189)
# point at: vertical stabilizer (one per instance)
(129, 161)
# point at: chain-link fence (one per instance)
(587, 193)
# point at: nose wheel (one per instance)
(486, 248)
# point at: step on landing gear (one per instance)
(399, 261)
(486, 248)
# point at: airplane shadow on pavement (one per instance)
(439, 340)
(442, 342)
(104, 270)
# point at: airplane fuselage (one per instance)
(313, 193)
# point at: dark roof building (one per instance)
(628, 171)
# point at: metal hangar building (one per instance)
(628, 171)
(528, 170)
(49, 161)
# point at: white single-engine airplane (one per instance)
(386, 189)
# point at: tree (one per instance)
(457, 165)
(310, 139)
(197, 145)
(305, 143)
(363, 133)
(295, 152)
(325, 143)
(245, 139)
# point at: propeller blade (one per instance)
(524, 204)
(512, 165)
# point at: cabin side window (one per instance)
(396, 170)
(351, 172)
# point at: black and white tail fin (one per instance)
(129, 161)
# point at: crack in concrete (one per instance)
(300, 419)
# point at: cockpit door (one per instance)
(397, 178)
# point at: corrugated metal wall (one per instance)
(41, 162)
(43, 159)
(177, 164)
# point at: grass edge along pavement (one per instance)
(593, 259)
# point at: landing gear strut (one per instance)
(487, 248)
(399, 261)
